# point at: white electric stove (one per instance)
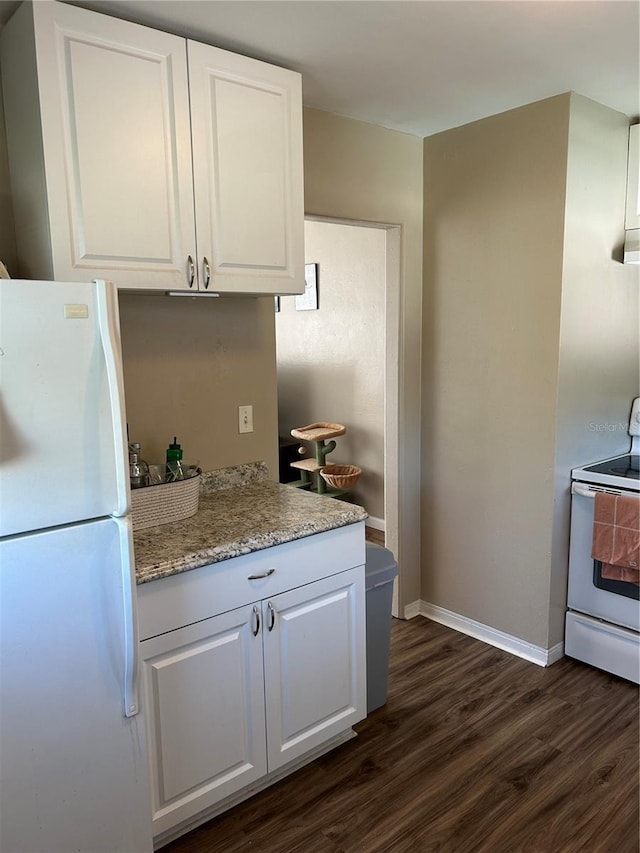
(603, 616)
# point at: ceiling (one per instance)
(419, 66)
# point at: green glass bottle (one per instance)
(174, 461)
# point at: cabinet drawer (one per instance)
(181, 599)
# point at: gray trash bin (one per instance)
(380, 572)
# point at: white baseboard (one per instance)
(506, 642)
(412, 610)
(376, 523)
(555, 653)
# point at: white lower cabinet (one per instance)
(237, 696)
(314, 665)
(205, 706)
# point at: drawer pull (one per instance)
(259, 577)
(272, 616)
(256, 612)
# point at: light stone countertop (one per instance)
(240, 511)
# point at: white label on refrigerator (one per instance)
(76, 312)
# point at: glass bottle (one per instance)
(174, 461)
(138, 468)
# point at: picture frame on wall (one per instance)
(308, 301)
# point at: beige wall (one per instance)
(188, 365)
(494, 214)
(331, 360)
(600, 332)
(358, 171)
(531, 342)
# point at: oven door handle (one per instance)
(583, 491)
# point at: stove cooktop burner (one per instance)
(622, 466)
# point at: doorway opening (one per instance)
(339, 361)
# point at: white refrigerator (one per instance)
(73, 763)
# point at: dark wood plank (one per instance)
(373, 535)
(476, 751)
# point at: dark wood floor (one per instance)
(475, 750)
(373, 535)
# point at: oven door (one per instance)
(589, 592)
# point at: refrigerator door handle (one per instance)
(129, 601)
(109, 326)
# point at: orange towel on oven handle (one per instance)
(620, 573)
(616, 530)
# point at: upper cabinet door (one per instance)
(246, 119)
(116, 142)
(120, 93)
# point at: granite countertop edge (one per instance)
(240, 512)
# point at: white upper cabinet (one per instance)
(100, 133)
(246, 126)
(99, 147)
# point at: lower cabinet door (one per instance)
(204, 698)
(314, 664)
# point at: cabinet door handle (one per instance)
(191, 271)
(266, 574)
(272, 616)
(256, 612)
(206, 270)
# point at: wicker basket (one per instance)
(165, 502)
(341, 476)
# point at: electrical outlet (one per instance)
(245, 418)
